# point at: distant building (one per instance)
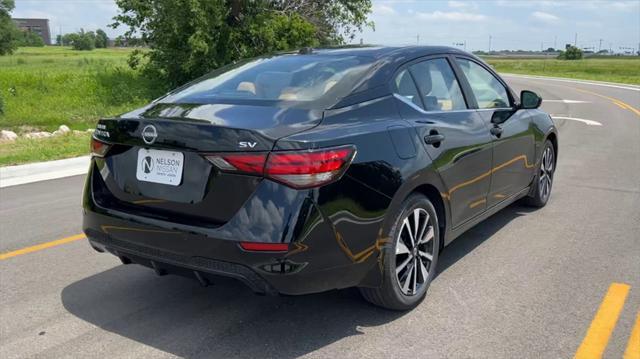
(37, 26)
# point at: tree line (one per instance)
(84, 40)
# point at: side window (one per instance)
(406, 88)
(488, 91)
(438, 86)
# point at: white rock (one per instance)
(41, 134)
(91, 130)
(76, 132)
(64, 129)
(8, 136)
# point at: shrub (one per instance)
(570, 53)
(81, 40)
(29, 39)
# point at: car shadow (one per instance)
(177, 316)
(477, 235)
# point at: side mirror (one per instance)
(529, 100)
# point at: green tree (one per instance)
(188, 38)
(101, 39)
(570, 53)
(29, 39)
(81, 40)
(8, 30)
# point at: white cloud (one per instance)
(578, 5)
(382, 9)
(537, 4)
(544, 16)
(462, 4)
(451, 16)
(624, 5)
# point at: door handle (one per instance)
(496, 131)
(433, 138)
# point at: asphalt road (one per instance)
(523, 284)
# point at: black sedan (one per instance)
(320, 169)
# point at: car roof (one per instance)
(388, 59)
(389, 52)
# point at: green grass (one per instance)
(618, 69)
(36, 150)
(42, 88)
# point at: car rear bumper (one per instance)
(319, 258)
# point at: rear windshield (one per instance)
(291, 77)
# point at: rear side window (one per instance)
(406, 88)
(291, 77)
(438, 85)
(488, 91)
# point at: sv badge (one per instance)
(247, 144)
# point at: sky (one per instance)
(501, 24)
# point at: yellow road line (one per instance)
(617, 102)
(595, 342)
(633, 346)
(622, 106)
(41, 246)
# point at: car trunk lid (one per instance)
(204, 195)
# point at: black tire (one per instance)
(390, 294)
(543, 182)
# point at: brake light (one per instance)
(264, 247)
(99, 148)
(250, 163)
(298, 169)
(309, 168)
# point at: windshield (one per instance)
(282, 78)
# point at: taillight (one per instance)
(250, 163)
(309, 168)
(99, 148)
(298, 169)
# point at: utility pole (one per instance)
(489, 43)
(555, 42)
(575, 41)
(600, 46)
(418, 39)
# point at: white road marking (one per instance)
(585, 121)
(559, 79)
(567, 101)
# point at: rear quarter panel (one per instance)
(390, 163)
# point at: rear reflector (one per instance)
(264, 247)
(298, 169)
(99, 148)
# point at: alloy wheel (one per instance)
(545, 178)
(414, 251)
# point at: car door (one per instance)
(511, 129)
(455, 136)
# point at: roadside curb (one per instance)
(42, 171)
